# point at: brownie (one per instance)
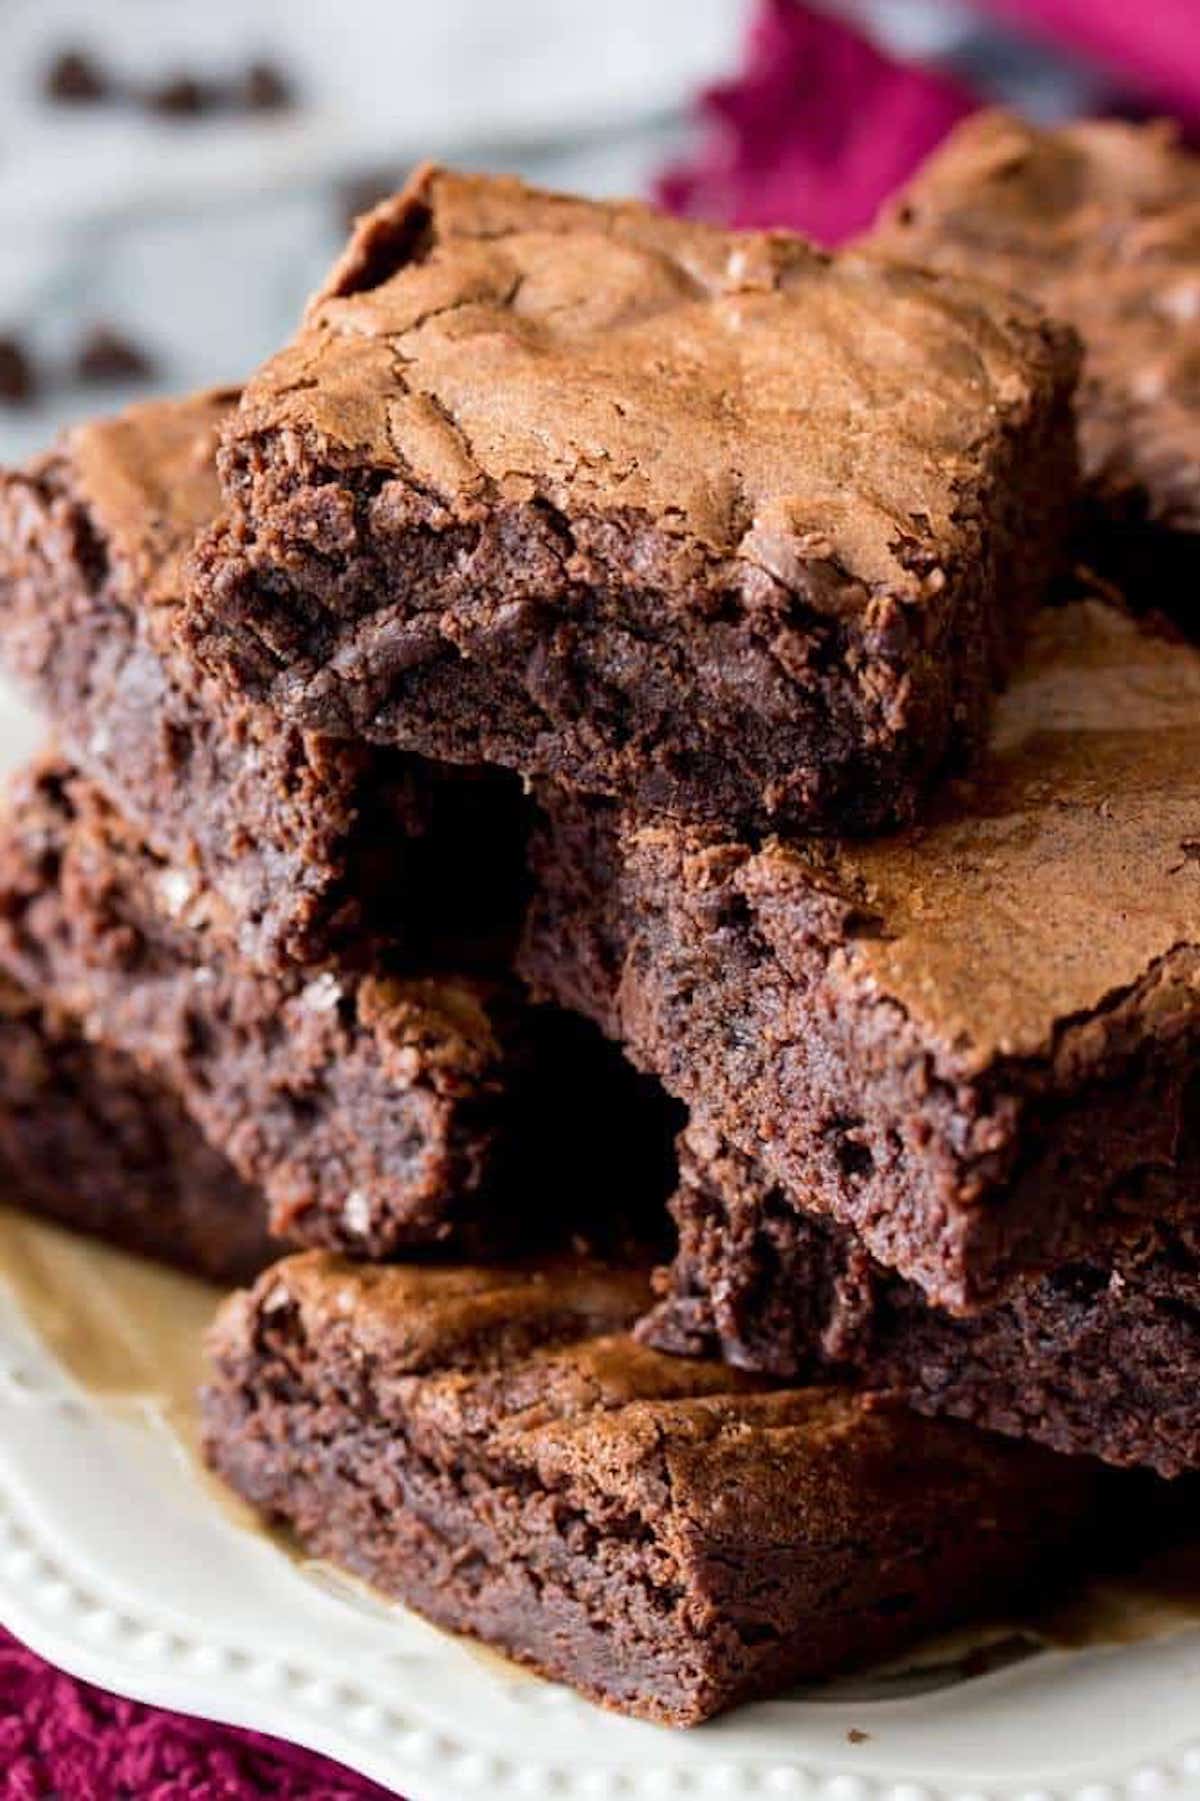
(1100, 1358)
(90, 1141)
(976, 1042)
(374, 1110)
(1099, 221)
(312, 844)
(666, 1535)
(714, 524)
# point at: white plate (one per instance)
(120, 1562)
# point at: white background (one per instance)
(201, 238)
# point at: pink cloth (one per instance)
(818, 129)
(61, 1739)
(1151, 46)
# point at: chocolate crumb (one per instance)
(76, 79)
(18, 379)
(104, 355)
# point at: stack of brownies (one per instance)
(593, 620)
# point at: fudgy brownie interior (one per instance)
(382, 1111)
(88, 1139)
(1101, 1358)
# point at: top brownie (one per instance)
(713, 523)
(310, 842)
(1100, 221)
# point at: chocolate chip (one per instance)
(105, 356)
(183, 97)
(18, 378)
(76, 79)
(265, 89)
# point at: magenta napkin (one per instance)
(820, 126)
(61, 1738)
(1150, 47)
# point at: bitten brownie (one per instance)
(374, 1111)
(1100, 221)
(711, 523)
(310, 843)
(664, 1534)
(90, 1141)
(1100, 1358)
(977, 1042)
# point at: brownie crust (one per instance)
(313, 844)
(710, 523)
(976, 1043)
(1099, 221)
(664, 1534)
(372, 1110)
(1099, 1359)
(87, 1140)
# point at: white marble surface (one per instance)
(202, 238)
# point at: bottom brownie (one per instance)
(667, 1535)
(88, 1140)
(1096, 1359)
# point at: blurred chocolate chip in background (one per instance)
(105, 355)
(75, 78)
(18, 378)
(264, 88)
(183, 96)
